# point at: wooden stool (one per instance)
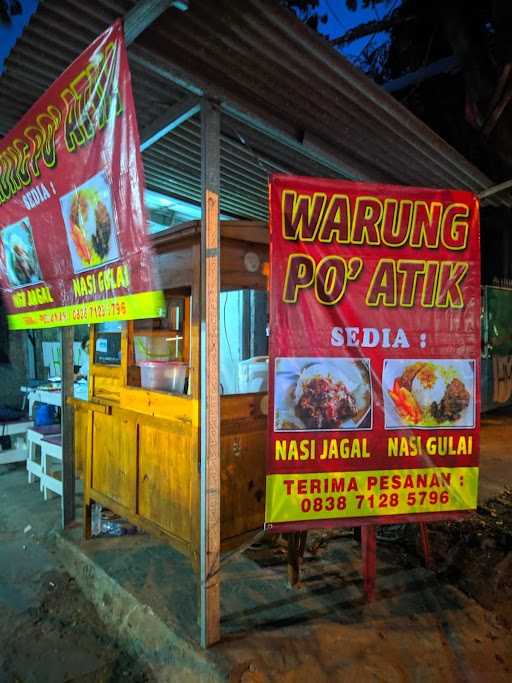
(34, 437)
(51, 447)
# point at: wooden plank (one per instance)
(185, 331)
(114, 462)
(168, 120)
(106, 388)
(175, 268)
(174, 407)
(68, 452)
(87, 478)
(210, 403)
(242, 482)
(369, 553)
(234, 272)
(247, 231)
(189, 231)
(81, 422)
(240, 406)
(195, 393)
(143, 14)
(109, 371)
(165, 465)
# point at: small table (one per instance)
(52, 397)
(14, 428)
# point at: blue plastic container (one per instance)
(44, 415)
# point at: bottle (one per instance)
(95, 519)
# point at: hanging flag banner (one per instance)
(374, 391)
(73, 240)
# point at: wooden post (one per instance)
(369, 549)
(67, 428)
(425, 545)
(209, 551)
(296, 548)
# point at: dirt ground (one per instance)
(496, 453)
(453, 623)
(476, 555)
(49, 632)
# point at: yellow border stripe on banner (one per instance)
(336, 495)
(129, 307)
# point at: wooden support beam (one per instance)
(296, 547)
(495, 189)
(170, 119)
(209, 551)
(425, 544)
(67, 428)
(144, 13)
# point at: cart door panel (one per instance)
(166, 475)
(242, 483)
(114, 459)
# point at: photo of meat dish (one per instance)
(324, 404)
(322, 394)
(433, 393)
(22, 264)
(90, 226)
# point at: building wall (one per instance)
(13, 376)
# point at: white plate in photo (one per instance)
(347, 382)
(427, 380)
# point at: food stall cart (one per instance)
(140, 445)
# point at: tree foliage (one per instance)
(9, 9)
(469, 104)
(307, 11)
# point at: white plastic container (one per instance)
(253, 375)
(163, 375)
(153, 348)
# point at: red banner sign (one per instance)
(73, 240)
(374, 353)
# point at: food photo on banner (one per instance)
(74, 247)
(374, 373)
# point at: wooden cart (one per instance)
(140, 448)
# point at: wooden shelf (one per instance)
(172, 334)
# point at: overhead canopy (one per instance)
(290, 101)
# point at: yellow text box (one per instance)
(129, 307)
(336, 495)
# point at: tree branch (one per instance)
(370, 27)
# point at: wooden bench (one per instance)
(51, 473)
(35, 435)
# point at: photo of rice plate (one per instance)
(90, 224)
(322, 394)
(429, 394)
(21, 262)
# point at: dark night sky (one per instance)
(341, 19)
(8, 35)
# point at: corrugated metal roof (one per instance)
(264, 67)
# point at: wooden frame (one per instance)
(168, 425)
(193, 477)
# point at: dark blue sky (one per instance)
(8, 35)
(341, 19)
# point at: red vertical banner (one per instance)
(73, 237)
(374, 409)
